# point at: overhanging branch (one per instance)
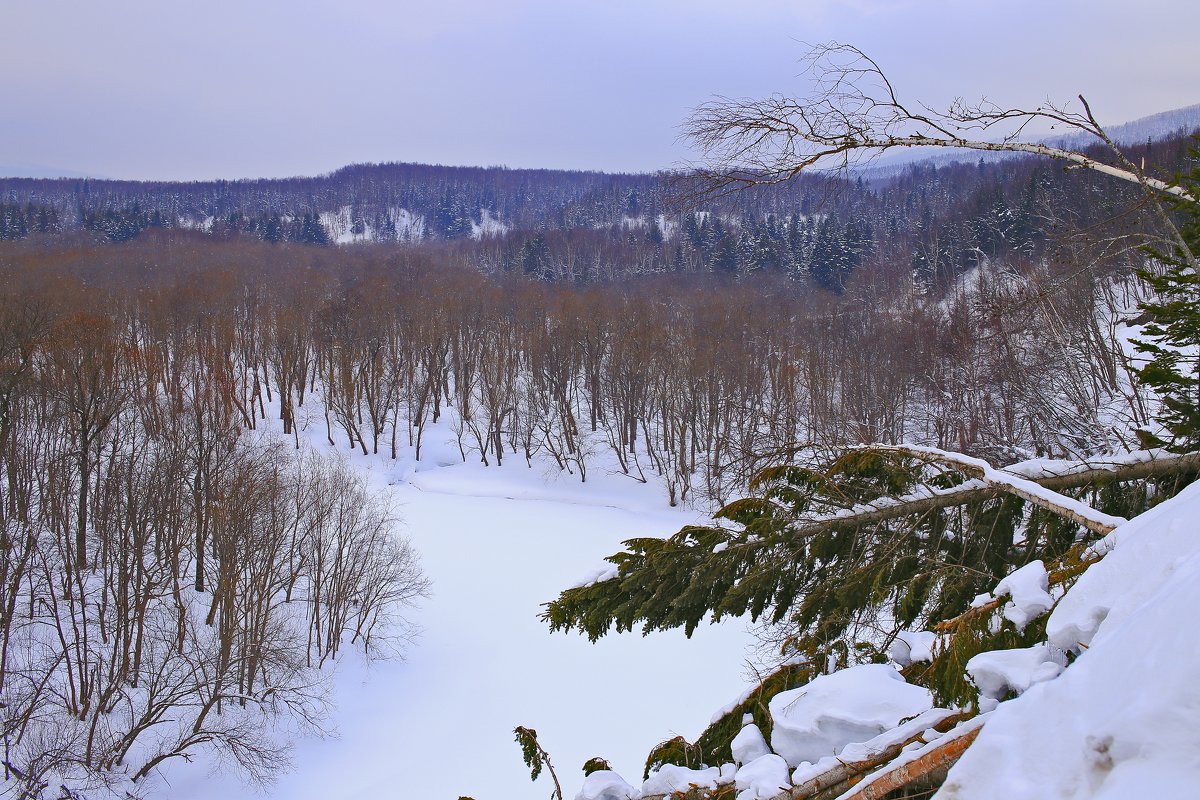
(1055, 476)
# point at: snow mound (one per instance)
(1124, 719)
(1144, 553)
(763, 778)
(671, 778)
(749, 745)
(604, 784)
(911, 646)
(852, 705)
(1028, 588)
(922, 724)
(999, 672)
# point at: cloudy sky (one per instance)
(256, 88)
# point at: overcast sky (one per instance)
(194, 90)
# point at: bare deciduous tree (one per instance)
(853, 112)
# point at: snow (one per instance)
(1027, 586)
(606, 785)
(912, 646)
(731, 705)
(488, 226)
(1124, 719)
(498, 542)
(998, 672)
(762, 779)
(670, 778)
(1015, 481)
(598, 575)
(667, 226)
(339, 225)
(848, 706)
(982, 600)
(920, 724)
(1031, 490)
(1151, 548)
(749, 744)
(807, 770)
(409, 227)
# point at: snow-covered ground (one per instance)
(498, 542)
(1124, 719)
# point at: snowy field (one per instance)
(497, 543)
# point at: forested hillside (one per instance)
(179, 560)
(937, 221)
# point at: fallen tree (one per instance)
(929, 765)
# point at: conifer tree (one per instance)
(1172, 338)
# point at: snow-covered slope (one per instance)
(1124, 719)
(1121, 721)
(498, 542)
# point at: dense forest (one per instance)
(936, 221)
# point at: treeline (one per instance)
(168, 584)
(932, 222)
(449, 199)
(18, 221)
(687, 382)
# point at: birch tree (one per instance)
(853, 113)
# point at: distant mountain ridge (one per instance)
(574, 225)
(1165, 124)
(43, 171)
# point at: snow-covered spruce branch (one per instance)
(788, 557)
(1049, 476)
(1068, 507)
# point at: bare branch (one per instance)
(853, 112)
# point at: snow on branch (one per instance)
(1068, 507)
(931, 761)
(1048, 475)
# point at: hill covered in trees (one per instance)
(933, 220)
(575, 321)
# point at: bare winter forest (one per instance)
(171, 578)
(673, 400)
